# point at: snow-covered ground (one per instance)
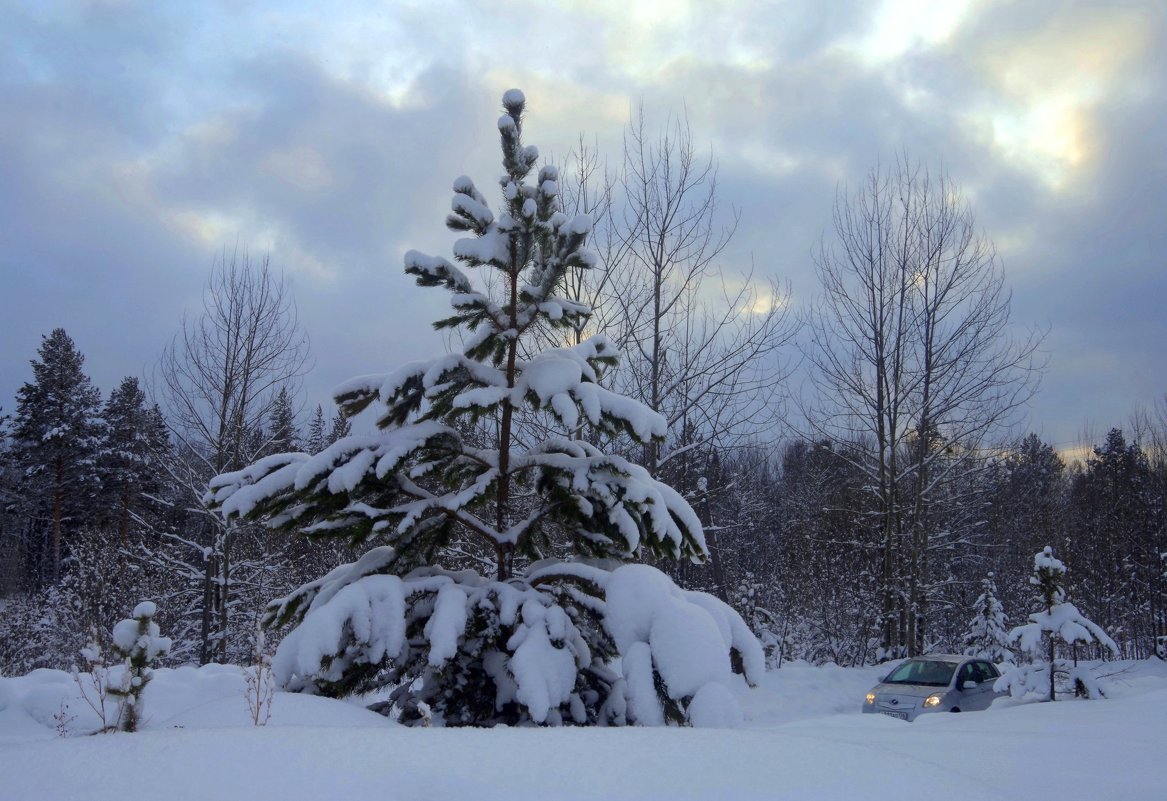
(804, 738)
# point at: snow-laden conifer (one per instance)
(56, 435)
(986, 636)
(137, 644)
(133, 443)
(317, 439)
(283, 434)
(535, 645)
(1058, 622)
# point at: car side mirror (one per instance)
(969, 685)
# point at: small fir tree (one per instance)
(283, 433)
(538, 641)
(341, 427)
(986, 636)
(137, 644)
(317, 439)
(1058, 622)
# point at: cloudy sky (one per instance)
(140, 140)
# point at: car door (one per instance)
(981, 696)
(991, 673)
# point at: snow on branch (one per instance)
(1066, 623)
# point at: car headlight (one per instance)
(871, 698)
(931, 701)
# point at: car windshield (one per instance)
(922, 671)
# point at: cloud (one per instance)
(141, 140)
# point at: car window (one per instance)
(987, 671)
(922, 671)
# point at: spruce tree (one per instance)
(56, 435)
(341, 427)
(316, 440)
(986, 636)
(283, 434)
(536, 643)
(133, 443)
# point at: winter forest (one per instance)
(632, 476)
(847, 473)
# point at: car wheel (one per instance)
(955, 709)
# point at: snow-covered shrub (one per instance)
(566, 643)
(137, 645)
(40, 630)
(1032, 682)
(1058, 622)
(93, 689)
(46, 628)
(986, 636)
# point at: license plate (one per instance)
(897, 715)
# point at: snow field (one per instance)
(803, 738)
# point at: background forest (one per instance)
(858, 464)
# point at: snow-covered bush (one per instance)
(986, 636)
(259, 680)
(562, 643)
(93, 689)
(1058, 622)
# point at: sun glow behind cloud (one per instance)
(1037, 81)
(901, 25)
(1049, 84)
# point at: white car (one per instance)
(934, 683)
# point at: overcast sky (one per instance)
(139, 140)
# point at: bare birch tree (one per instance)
(218, 379)
(910, 350)
(701, 348)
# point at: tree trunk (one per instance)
(715, 562)
(209, 568)
(503, 551)
(1052, 652)
(57, 502)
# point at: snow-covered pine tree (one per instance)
(986, 636)
(340, 428)
(534, 643)
(133, 441)
(1058, 622)
(283, 433)
(56, 435)
(316, 440)
(137, 644)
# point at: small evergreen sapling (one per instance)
(1058, 622)
(137, 644)
(538, 642)
(986, 636)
